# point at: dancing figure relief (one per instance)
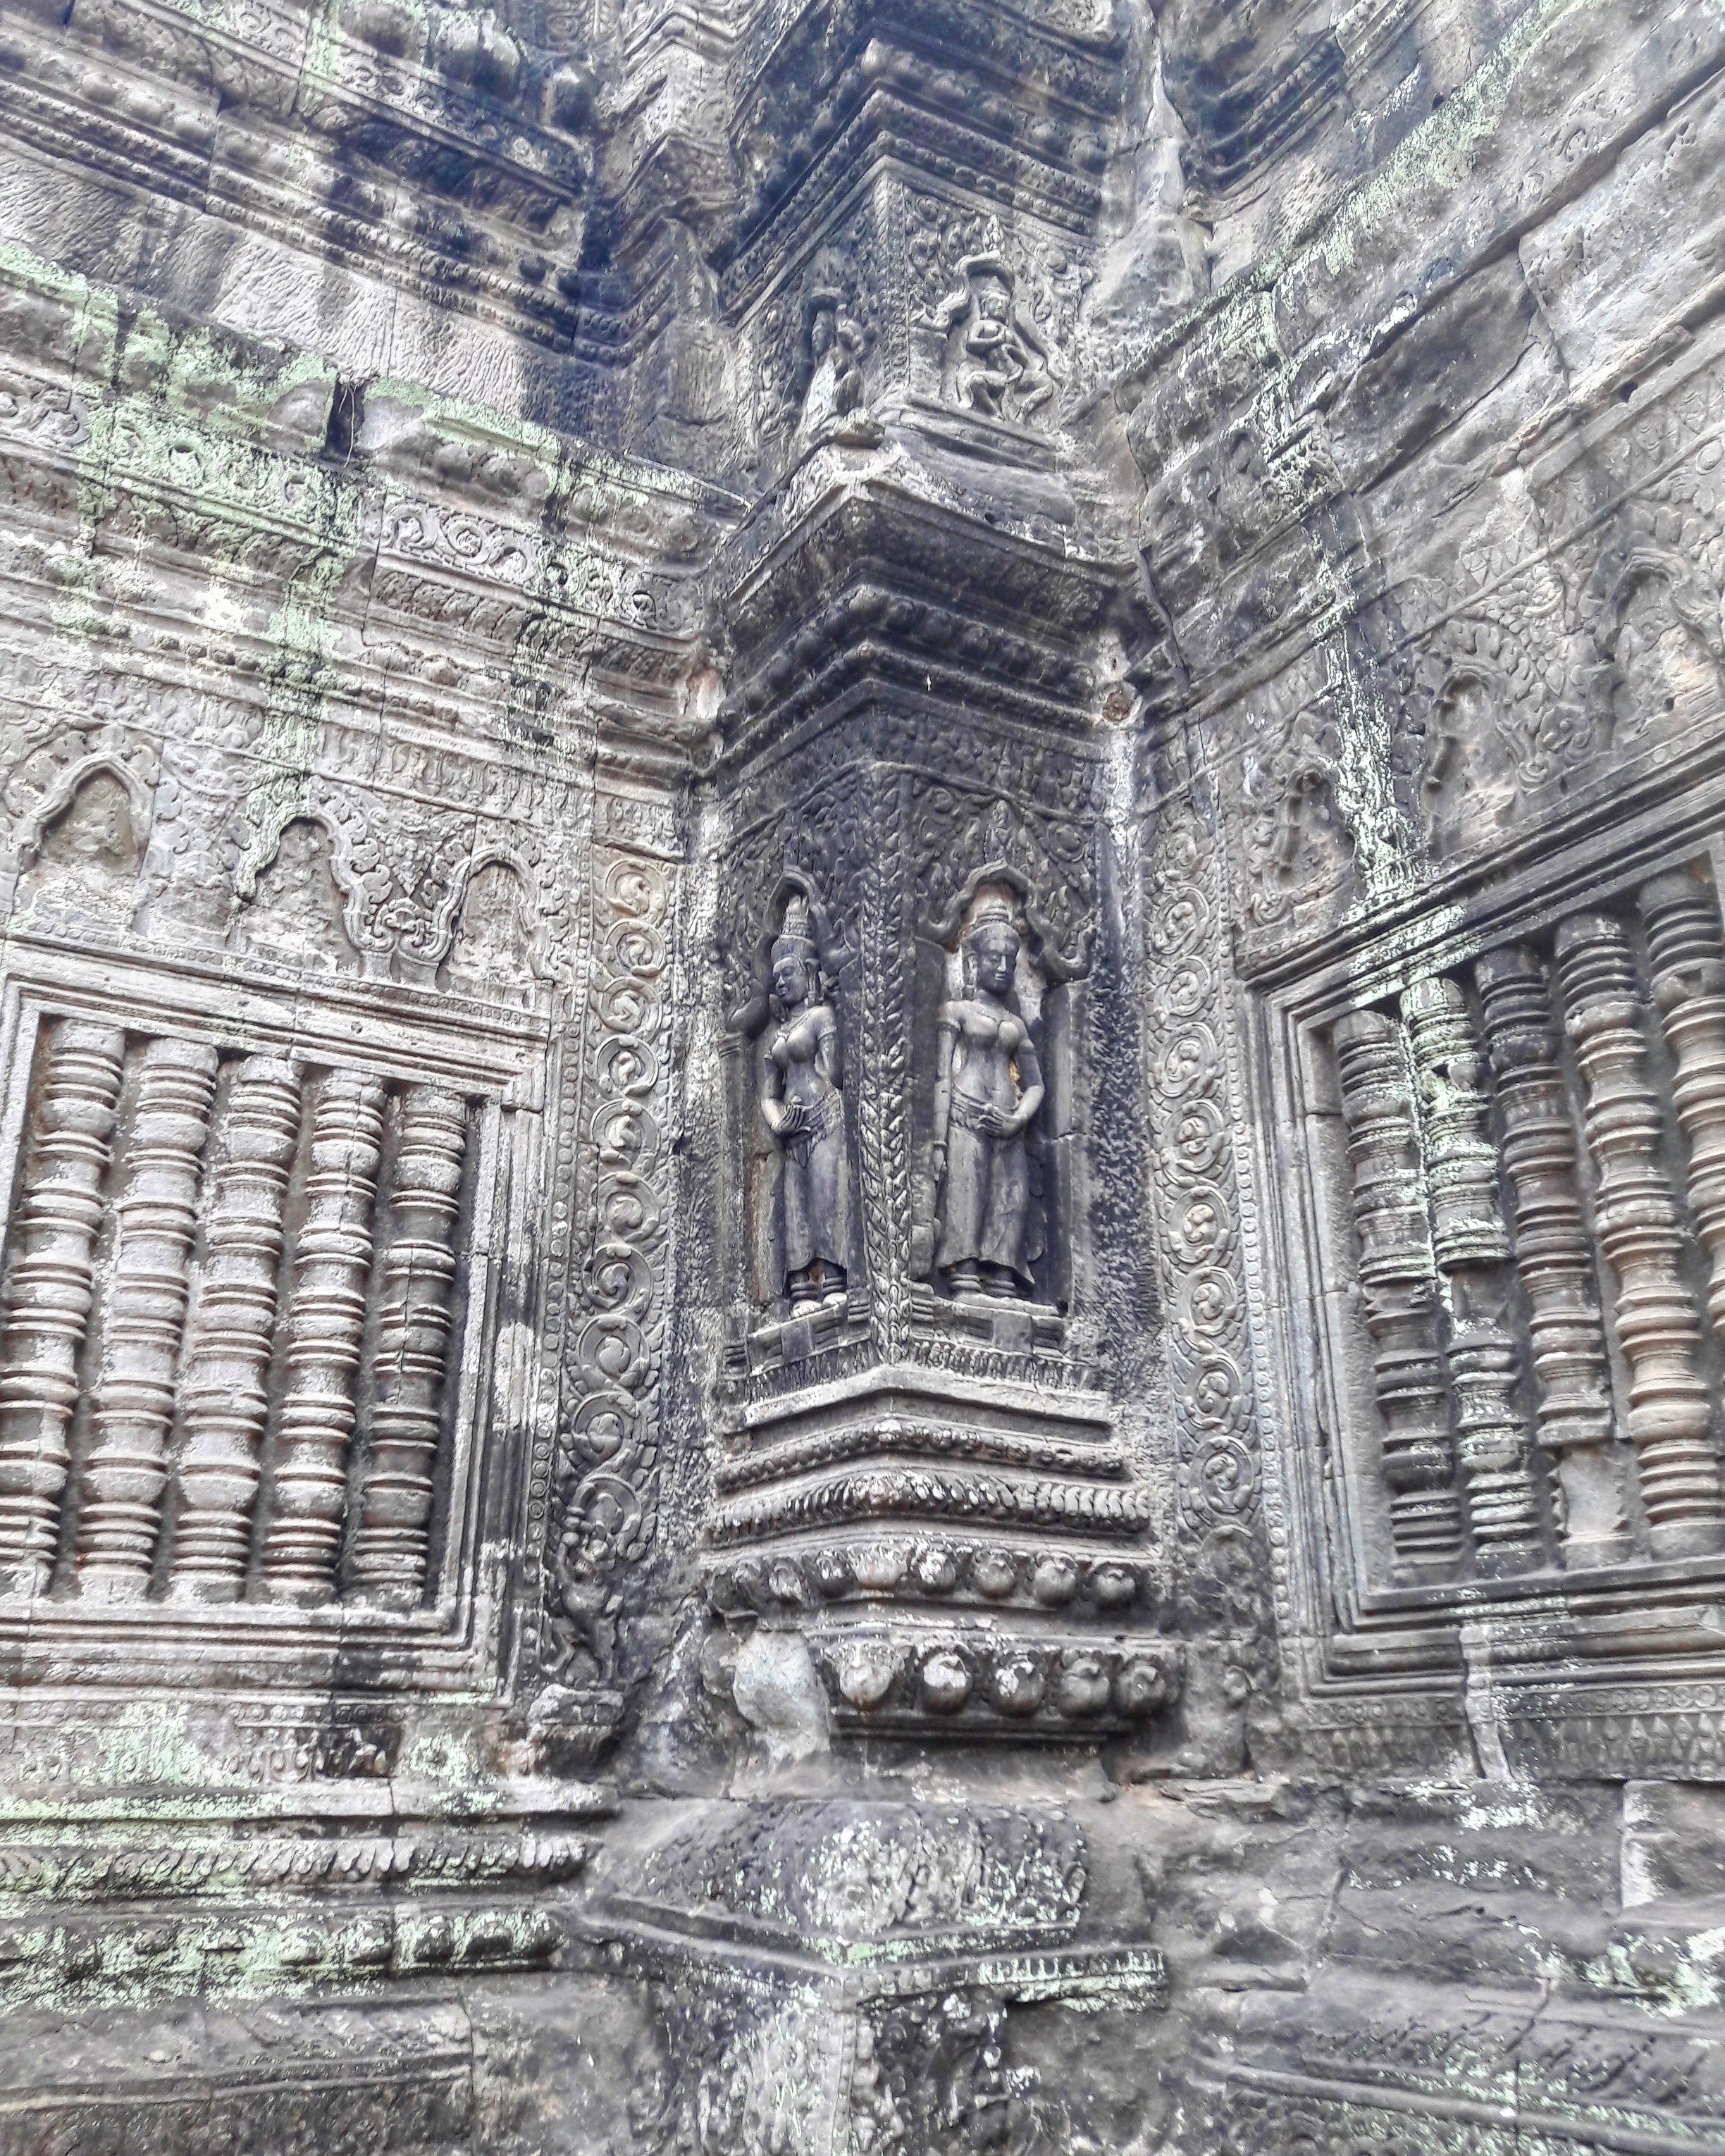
(995, 362)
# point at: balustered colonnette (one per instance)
(226, 1314)
(1398, 1274)
(1537, 1149)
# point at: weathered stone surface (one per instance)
(862, 1078)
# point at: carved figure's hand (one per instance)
(792, 1116)
(999, 1123)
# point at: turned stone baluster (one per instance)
(411, 1349)
(49, 1291)
(1684, 941)
(125, 1473)
(1641, 1234)
(232, 1330)
(1565, 1330)
(1399, 1277)
(1472, 1248)
(325, 1319)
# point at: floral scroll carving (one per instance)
(604, 1475)
(1191, 1125)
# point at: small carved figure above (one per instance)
(995, 362)
(1665, 654)
(490, 958)
(804, 1109)
(296, 914)
(86, 861)
(834, 409)
(989, 1090)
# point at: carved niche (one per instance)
(80, 852)
(497, 945)
(292, 908)
(928, 1491)
(1296, 847)
(982, 1228)
(1499, 714)
(1004, 938)
(1661, 644)
(800, 1203)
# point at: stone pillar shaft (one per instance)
(392, 1544)
(49, 1291)
(125, 1475)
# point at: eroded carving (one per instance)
(833, 343)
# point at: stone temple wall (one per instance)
(862, 1078)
